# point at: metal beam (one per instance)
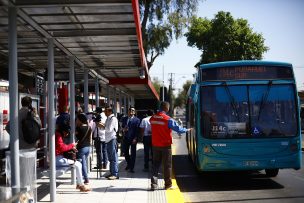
(43, 32)
(97, 92)
(13, 97)
(105, 14)
(51, 119)
(114, 101)
(119, 81)
(101, 32)
(86, 90)
(108, 95)
(107, 21)
(125, 104)
(72, 97)
(39, 3)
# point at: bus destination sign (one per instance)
(246, 73)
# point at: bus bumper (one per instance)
(209, 163)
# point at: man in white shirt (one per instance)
(98, 129)
(111, 128)
(145, 131)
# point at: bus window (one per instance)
(273, 110)
(244, 111)
(225, 111)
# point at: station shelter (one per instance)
(83, 54)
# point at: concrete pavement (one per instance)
(130, 187)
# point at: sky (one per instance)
(281, 22)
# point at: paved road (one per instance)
(288, 186)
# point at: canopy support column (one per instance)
(51, 119)
(86, 91)
(13, 99)
(72, 97)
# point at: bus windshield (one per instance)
(248, 111)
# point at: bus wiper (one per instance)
(264, 98)
(232, 101)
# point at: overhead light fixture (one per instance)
(142, 74)
(4, 83)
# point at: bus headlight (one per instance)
(207, 149)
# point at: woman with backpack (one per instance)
(83, 135)
(60, 148)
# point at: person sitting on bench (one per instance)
(60, 147)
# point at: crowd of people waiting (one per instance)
(104, 128)
(154, 130)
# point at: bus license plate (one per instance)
(251, 163)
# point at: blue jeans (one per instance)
(101, 151)
(83, 154)
(63, 162)
(104, 153)
(113, 157)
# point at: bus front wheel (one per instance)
(272, 172)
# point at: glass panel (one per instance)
(224, 111)
(273, 110)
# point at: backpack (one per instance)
(30, 129)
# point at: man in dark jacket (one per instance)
(130, 128)
(26, 103)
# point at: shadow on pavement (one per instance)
(189, 180)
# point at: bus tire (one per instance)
(272, 172)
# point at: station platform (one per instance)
(129, 188)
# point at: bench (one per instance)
(62, 170)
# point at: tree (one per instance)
(157, 84)
(225, 39)
(181, 98)
(161, 20)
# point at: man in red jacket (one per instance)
(162, 126)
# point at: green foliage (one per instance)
(181, 98)
(161, 21)
(225, 39)
(157, 84)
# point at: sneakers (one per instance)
(112, 177)
(86, 182)
(84, 188)
(153, 187)
(104, 166)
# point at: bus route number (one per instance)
(219, 129)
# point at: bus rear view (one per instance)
(248, 117)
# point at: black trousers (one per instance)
(130, 158)
(162, 155)
(147, 141)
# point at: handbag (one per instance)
(71, 154)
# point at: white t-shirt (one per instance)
(111, 128)
(100, 131)
(145, 123)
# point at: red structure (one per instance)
(63, 97)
